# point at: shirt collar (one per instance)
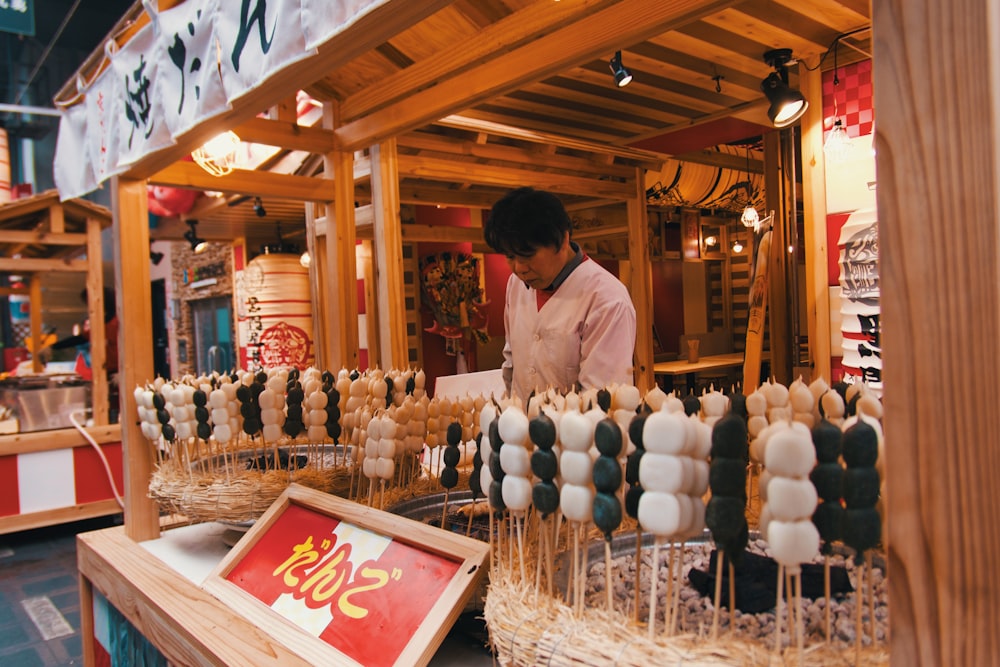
(574, 262)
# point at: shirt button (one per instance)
(531, 371)
(537, 337)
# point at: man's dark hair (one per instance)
(524, 220)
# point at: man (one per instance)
(567, 320)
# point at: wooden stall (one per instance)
(532, 68)
(51, 472)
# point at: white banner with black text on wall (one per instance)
(860, 300)
(196, 59)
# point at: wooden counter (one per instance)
(712, 362)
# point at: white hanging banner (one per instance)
(140, 125)
(258, 38)
(103, 99)
(322, 19)
(72, 172)
(188, 81)
(860, 300)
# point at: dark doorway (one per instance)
(161, 357)
(212, 321)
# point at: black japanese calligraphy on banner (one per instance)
(189, 84)
(258, 38)
(860, 300)
(139, 129)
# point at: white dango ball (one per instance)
(673, 405)
(368, 467)
(790, 454)
(384, 468)
(386, 448)
(515, 460)
(791, 499)
(217, 399)
(793, 543)
(699, 477)
(686, 512)
(317, 400)
(655, 398)
(516, 492)
(222, 433)
(271, 432)
(698, 517)
(756, 404)
(183, 430)
(575, 467)
(576, 502)
(486, 417)
(513, 426)
(269, 415)
(628, 397)
(664, 433)
(316, 433)
(182, 413)
(576, 432)
(661, 472)
(659, 513)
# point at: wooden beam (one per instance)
(814, 239)
(429, 195)
(42, 237)
(412, 233)
(65, 438)
(33, 264)
(243, 181)
(98, 332)
(131, 261)
(714, 158)
(284, 134)
(35, 318)
(601, 232)
(57, 219)
(647, 159)
(451, 171)
(593, 36)
(388, 256)
(940, 318)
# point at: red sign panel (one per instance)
(359, 591)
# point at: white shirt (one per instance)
(584, 332)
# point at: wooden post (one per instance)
(388, 256)
(814, 238)
(938, 162)
(641, 284)
(341, 285)
(316, 239)
(131, 233)
(776, 185)
(98, 334)
(35, 320)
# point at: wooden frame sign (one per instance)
(344, 584)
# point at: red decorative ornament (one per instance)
(284, 345)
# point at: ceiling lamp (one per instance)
(305, 259)
(218, 155)
(737, 246)
(837, 143)
(198, 245)
(622, 76)
(258, 208)
(787, 105)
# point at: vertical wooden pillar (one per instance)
(641, 284)
(814, 210)
(35, 320)
(776, 184)
(98, 334)
(938, 165)
(341, 294)
(388, 244)
(131, 245)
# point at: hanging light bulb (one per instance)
(218, 155)
(305, 259)
(710, 241)
(750, 217)
(837, 143)
(737, 246)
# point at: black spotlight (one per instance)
(622, 75)
(258, 207)
(787, 105)
(198, 245)
(155, 257)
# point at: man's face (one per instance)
(539, 269)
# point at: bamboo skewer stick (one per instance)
(858, 605)
(444, 511)
(777, 609)
(718, 595)
(871, 595)
(652, 587)
(638, 569)
(826, 594)
(607, 574)
(668, 598)
(799, 624)
(519, 520)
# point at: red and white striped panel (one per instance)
(49, 480)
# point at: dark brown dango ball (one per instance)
(292, 427)
(608, 438)
(326, 376)
(862, 530)
(607, 474)
(727, 477)
(260, 377)
(204, 430)
(243, 393)
(632, 466)
(451, 456)
(453, 435)
(295, 395)
(158, 401)
(827, 439)
(251, 425)
(169, 434)
(201, 414)
(496, 442)
(199, 398)
(496, 470)
(544, 464)
(729, 438)
(293, 374)
(632, 500)
(333, 429)
(635, 429)
(861, 487)
(294, 412)
(607, 513)
(829, 521)
(496, 496)
(828, 478)
(449, 478)
(162, 416)
(604, 399)
(692, 405)
(542, 431)
(724, 516)
(248, 410)
(860, 445)
(738, 404)
(545, 497)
